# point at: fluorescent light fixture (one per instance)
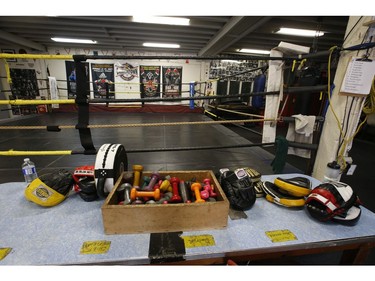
(161, 45)
(162, 20)
(255, 51)
(70, 40)
(232, 61)
(300, 32)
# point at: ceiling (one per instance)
(206, 35)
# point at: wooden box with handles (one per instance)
(172, 217)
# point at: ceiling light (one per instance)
(162, 20)
(70, 40)
(254, 51)
(161, 45)
(232, 61)
(300, 32)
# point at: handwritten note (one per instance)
(198, 241)
(281, 235)
(95, 247)
(358, 77)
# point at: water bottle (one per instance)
(332, 172)
(29, 170)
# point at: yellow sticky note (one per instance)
(95, 247)
(198, 241)
(281, 235)
(4, 252)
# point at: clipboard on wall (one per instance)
(358, 77)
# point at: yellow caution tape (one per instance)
(281, 235)
(198, 241)
(95, 247)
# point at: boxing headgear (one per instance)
(334, 201)
(85, 183)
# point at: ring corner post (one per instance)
(192, 93)
(83, 105)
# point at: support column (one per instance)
(329, 141)
(274, 83)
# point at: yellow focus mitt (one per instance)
(51, 189)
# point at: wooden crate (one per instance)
(159, 218)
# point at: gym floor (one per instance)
(180, 136)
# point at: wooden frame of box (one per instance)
(160, 218)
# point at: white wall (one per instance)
(192, 70)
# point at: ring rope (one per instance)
(12, 152)
(7, 71)
(236, 112)
(36, 102)
(70, 152)
(34, 56)
(72, 101)
(101, 126)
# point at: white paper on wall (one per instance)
(53, 90)
(127, 82)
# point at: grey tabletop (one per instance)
(55, 236)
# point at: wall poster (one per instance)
(24, 83)
(150, 81)
(71, 78)
(24, 86)
(103, 75)
(172, 77)
(127, 81)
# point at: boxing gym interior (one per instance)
(199, 155)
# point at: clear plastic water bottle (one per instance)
(29, 170)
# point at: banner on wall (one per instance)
(54, 92)
(71, 78)
(126, 71)
(24, 83)
(150, 81)
(103, 80)
(127, 81)
(172, 77)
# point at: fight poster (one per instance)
(103, 80)
(71, 78)
(127, 81)
(150, 81)
(172, 77)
